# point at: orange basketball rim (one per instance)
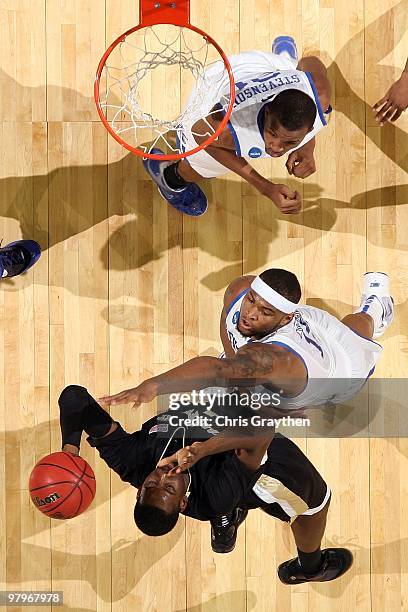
(134, 55)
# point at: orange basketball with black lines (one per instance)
(62, 485)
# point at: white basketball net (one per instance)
(135, 105)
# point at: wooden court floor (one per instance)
(127, 288)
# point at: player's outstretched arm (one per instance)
(250, 450)
(253, 364)
(395, 101)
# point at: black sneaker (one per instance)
(18, 257)
(335, 563)
(225, 529)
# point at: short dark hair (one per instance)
(293, 109)
(284, 282)
(154, 521)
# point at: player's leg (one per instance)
(361, 323)
(308, 531)
(80, 412)
(293, 490)
(376, 311)
(180, 173)
(313, 564)
(285, 46)
(74, 450)
(177, 183)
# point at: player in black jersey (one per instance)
(229, 475)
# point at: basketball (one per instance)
(62, 485)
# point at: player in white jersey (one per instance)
(310, 357)
(280, 106)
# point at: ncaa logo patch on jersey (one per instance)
(235, 317)
(254, 152)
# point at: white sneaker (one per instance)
(377, 301)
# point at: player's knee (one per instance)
(71, 393)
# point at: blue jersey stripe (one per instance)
(239, 296)
(235, 137)
(316, 96)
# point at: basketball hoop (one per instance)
(131, 79)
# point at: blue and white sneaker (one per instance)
(17, 257)
(190, 200)
(377, 289)
(286, 46)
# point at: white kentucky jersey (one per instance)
(328, 348)
(259, 78)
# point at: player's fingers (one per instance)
(304, 169)
(183, 457)
(296, 205)
(166, 461)
(398, 113)
(379, 116)
(298, 198)
(118, 398)
(309, 171)
(287, 193)
(381, 102)
(292, 209)
(389, 114)
(380, 111)
(107, 399)
(293, 200)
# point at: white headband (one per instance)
(273, 297)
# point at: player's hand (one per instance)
(289, 202)
(184, 458)
(395, 101)
(143, 394)
(301, 163)
(71, 449)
